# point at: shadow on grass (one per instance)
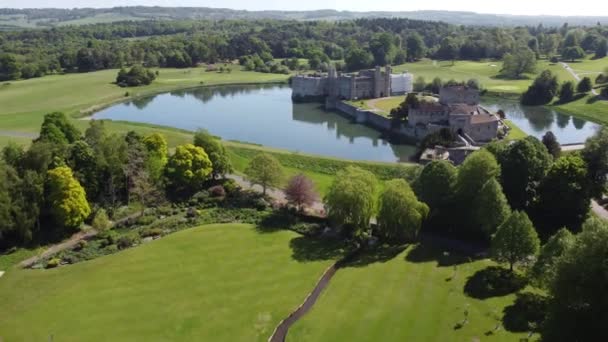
(526, 313)
(574, 98)
(306, 249)
(425, 252)
(493, 281)
(382, 253)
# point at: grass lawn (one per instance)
(212, 283)
(321, 170)
(403, 297)
(25, 102)
(515, 133)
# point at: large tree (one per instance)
(436, 186)
(566, 92)
(266, 171)
(57, 128)
(522, 60)
(515, 240)
(400, 214)
(350, 201)
(475, 171)
(595, 155)
(552, 145)
(577, 310)
(188, 168)
(563, 195)
(216, 151)
(524, 164)
(573, 53)
(542, 91)
(156, 157)
(490, 209)
(545, 267)
(382, 46)
(416, 49)
(66, 198)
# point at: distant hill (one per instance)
(32, 18)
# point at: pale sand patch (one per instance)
(1, 274)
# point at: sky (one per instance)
(519, 7)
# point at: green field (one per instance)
(403, 297)
(25, 102)
(211, 283)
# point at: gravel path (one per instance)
(577, 77)
(17, 134)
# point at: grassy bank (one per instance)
(415, 295)
(321, 170)
(219, 282)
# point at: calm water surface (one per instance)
(537, 121)
(264, 114)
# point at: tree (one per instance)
(524, 164)
(573, 53)
(12, 154)
(552, 145)
(350, 200)
(522, 60)
(436, 186)
(602, 48)
(475, 171)
(145, 190)
(265, 170)
(490, 209)
(137, 76)
(401, 112)
(415, 46)
(357, 58)
(595, 155)
(545, 267)
(419, 84)
(577, 308)
(566, 92)
(10, 68)
(300, 191)
(83, 162)
(157, 156)
(382, 46)
(57, 129)
(448, 50)
(66, 198)
(216, 151)
(563, 195)
(584, 86)
(400, 214)
(101, 222)
(515, 240)
(188, 168)
(542, 91)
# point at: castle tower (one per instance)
(387, 80)
(378, 84)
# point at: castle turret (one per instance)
(387, 80)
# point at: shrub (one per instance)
(127, 241)
(151, 232)
(54, 262)
(81, 245)
(146, 220)
(230, 186)
(137, 76)
(307, 228)
(217, 191)
(107, 238)
(101, 221)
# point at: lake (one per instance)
(265, 114)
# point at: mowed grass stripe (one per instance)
(215, 283)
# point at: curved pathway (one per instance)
(577, 77)
(280, 332)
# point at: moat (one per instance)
(265, 114)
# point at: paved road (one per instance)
(577, 77)
(17, 134)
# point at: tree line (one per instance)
(66, 178)
(360, 43)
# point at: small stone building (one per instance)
(457, 109)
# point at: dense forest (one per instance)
(360, 43)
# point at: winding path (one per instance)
(577, 77)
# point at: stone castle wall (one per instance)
(449, 95)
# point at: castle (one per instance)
(457, 109)
(365, 84)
